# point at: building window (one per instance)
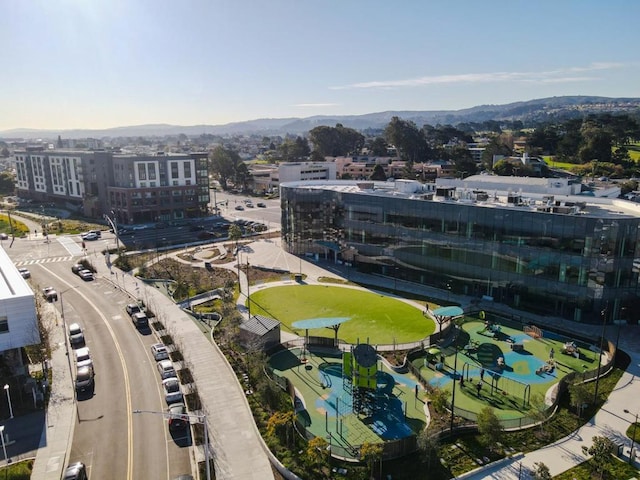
(4, 324)
(174, 170)
(151, 167)
(187, 169)
(142, 172)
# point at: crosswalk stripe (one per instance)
(43, 260)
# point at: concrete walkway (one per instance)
(57, 434)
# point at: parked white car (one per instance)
(83, 357)
(159, 352)
(166, 370)
(172, 391)
(76, 336)
(86, 275)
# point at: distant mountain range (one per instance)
(529, 112)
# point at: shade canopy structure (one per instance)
(322, 322)
(451, 311)
(445, 314)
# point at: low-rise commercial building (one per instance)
(559, 254)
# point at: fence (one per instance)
(391, 448)
(404, 446)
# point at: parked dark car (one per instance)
(177, 419)
(84, 379)
(77, 268)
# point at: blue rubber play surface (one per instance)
(387, 421)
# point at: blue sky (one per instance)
(106, 63)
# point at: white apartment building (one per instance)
(18, 319)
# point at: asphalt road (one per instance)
(108, 437)
(270, 215)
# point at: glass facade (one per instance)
(576, 266)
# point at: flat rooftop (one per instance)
(12, 285)
(496, 198)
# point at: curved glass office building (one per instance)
(571, 256)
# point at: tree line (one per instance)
(596, 144)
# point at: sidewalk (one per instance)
(57, 434)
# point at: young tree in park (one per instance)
(317, 451)
(439, 399)
(428, 444)
(489, 427)
(538, 411)
(579, 395)
(601, 455)
(235, 233)
(281, 423)
(541, 472)
(371, 453)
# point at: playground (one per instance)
(352, 397)
(502, 367)
(329, 402)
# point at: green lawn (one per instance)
(379, 318)
(634, 152)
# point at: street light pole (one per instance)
(604, 326)
(114, 224)
(6, 389)
(199, 419)
(633, 437)
(453, 394)
(4, 448)
(248, 294)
